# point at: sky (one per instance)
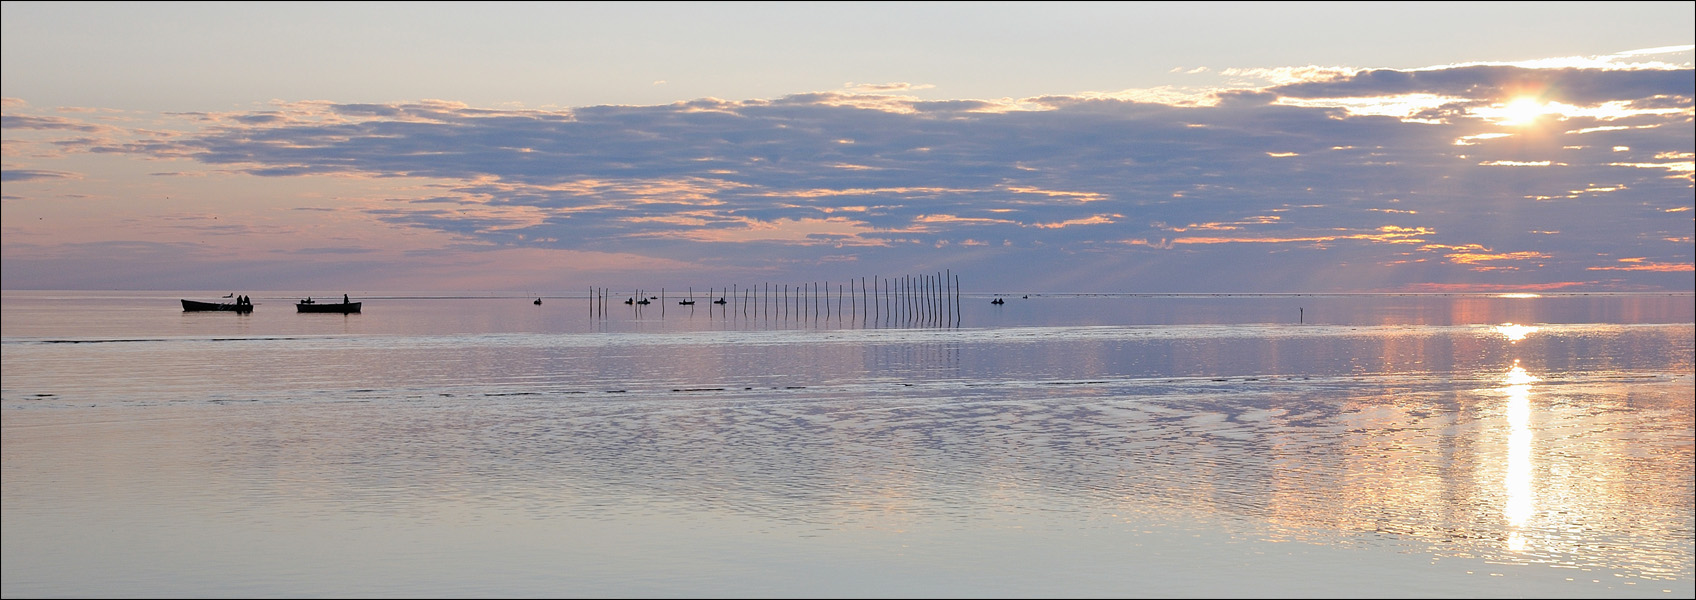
(1048, 147)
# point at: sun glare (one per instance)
(1513, 332)
(1518, 376)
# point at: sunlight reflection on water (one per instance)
(1120, 459)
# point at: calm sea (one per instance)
(1053, 446)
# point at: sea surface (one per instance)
(1056, 445)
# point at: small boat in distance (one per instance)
(196, 306)
(344, 307)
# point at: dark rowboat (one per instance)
(340, 307)
(194, 306)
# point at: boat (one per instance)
(197, 306)
(344, 307)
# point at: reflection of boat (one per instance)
(192, 306)
(308, 306)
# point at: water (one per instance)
(1057, 445)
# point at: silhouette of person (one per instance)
(344, 298)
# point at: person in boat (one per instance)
(308, 300)
(344, 298)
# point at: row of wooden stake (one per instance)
(912, 300)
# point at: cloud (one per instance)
(1017, 187)
(21, 175)
(872, 88)
(47, 123)
(1498, 83)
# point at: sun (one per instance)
(1521, 111)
